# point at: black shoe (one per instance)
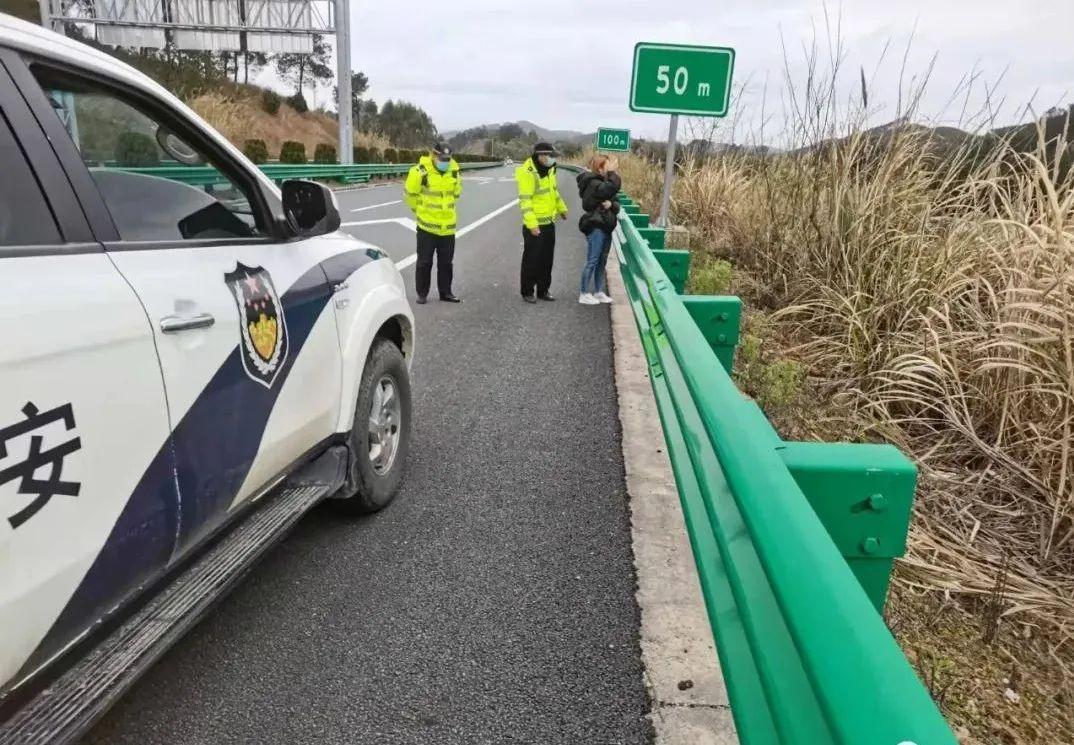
(545, 296)
(450, 299)
(529, 298)
(421, 300)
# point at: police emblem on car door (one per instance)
(262, 325)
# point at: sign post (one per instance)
(680, 79)
(669, 171)
(613, 140)
(343, 81)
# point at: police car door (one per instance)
(247, 342)
(82, 412)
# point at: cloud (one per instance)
(566, 63)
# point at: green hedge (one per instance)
(361, 154)
(324, 153)
(137, 149)
(391, 155)
(256, 151)
(293, 152)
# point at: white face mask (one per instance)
(546, 160)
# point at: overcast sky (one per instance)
(565, 64)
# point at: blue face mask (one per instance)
(443, 165)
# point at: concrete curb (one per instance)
(676, 638)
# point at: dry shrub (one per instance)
(643, 178)
(941, 310)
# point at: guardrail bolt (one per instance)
(870, 545)
(721, 338)
(723, 316)
(878, 502)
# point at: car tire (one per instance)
(374, 475)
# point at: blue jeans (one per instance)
(594, 273)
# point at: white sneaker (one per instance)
(587, 298)
(603, 298)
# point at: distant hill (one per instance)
(514, 139)
(558, 135)
(1054, 125)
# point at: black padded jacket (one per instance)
(594, 190)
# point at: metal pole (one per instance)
(343, 81)
(45, 14)
(67, 99)
(669, 171)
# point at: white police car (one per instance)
(191, 359)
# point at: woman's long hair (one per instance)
(597, 162)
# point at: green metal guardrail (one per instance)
(350, 174)
(793, 542)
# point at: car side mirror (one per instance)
(310, 207)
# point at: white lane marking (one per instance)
(374, 206)
(482, 220)
(409, 260)
(406, 222)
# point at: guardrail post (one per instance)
(863, 494)
(630, 209)
(655, 236)
(718, 318)
(676, 264)
(640, 219)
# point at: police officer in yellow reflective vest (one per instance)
(431, 187)
(539, 198)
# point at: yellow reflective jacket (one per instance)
(538, 197)
(431, 195)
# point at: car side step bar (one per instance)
(68, 707)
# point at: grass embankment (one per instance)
(895, 295)
(239, 115)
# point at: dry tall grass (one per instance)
(933, 300)
(239, 117)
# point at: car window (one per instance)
(157, 186)
(25, 217)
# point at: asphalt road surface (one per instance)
(493, 601)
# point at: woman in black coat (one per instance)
(599, 188)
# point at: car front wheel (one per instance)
(379, 441)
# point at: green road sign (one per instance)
(681, 79)
(617, 140)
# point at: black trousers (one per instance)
(444, 248)
(538, 251)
